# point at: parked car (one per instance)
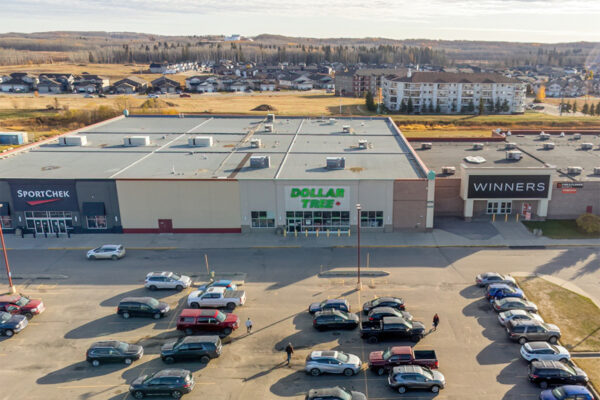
(184, 95)
(405, 377)
(548, 373)
(19, 304)
(112, 351)
(524, 331)
(494, 277)
(334, 393)
(192, 348)
(226, 283)
(11, 324)
(334, 319)
(502, 290)
(393, 328)
(102, 95)
(173, 382)
(192, 321)
(88, 96)
(331, 304)
(381, 362)
(378, 313)
(394, 302)
(167, 280)
(518, 315)
(535, 351)
(142, 307)
(333, 362)
(567, 392)
(112, 251)
(153, 96)
(513, 303)
(216, 297)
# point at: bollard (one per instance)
(295, 233)
(306, 232)
(317, 233)
(328, 233)
(505, 217)
(493, 217)
(339, 232)
(56, 234)
(517, 217)
(285, 232)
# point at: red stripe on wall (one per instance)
(184, 230)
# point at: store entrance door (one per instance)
(50, 225)
(165, 226)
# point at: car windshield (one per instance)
(345, 394)
(559, 393)
(123, 346)
(387, 354)
(153, 302)
(220, 317)
(427, 373)
(23, 301)
(175, 276)
(4, 317)
(376, 302)
(340, 313)
(149, 377)
(343, 357)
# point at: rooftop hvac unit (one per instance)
(75, 140)
(260, 162)
(597, 171)
(477, 146)
(336, 162)
(548, 146)
(269, 128)
(562, 134)
(574, 170)
(508, 133)
(270, 117)
(363, 144)
(577, 136)
(426, 146)
(255, 143)
(510, 146)
(136, 141)
(587, 146)
(514, 155)
(332, 121)
(544, 136)
(448, 170)
(200, 141)
(346, 128)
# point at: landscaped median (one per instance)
(576, 315)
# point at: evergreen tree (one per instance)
(585, 109)
(403, 106)
(567, 107)
(574, 106)
(453, 108)
(90, 57)
(430, 108)
(598, 108)
(592, 110)
(438, 109)
(481, 107)
(409, 107)
(497, 106)
(370, 102)
(505, 106)
(471, 106)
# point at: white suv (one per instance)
(112, 251)
(167, 280)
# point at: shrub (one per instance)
(589, 223)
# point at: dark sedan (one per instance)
(334, 319)
(378, 313)
(11, 324)
(394, 302)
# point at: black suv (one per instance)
(334, 319)
(546, 373)
(142, 307)
(190, 348)
(113, 351)
(173, 382)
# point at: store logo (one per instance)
(318, 197)
(38, 202)
(512, 187)
(47, 196)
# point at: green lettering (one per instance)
(330, 193)
(295, 192)
(305, 192)
(314, 204)
(339, 193)
(327, 203)
(305, 202)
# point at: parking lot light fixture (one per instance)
(358, 208)
(11, 287)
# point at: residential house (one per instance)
(267, 85)
(88, 83)
(158, 68)
(129, 85)
(239, 86)
(165, 85)
(202, 84)
(19, 82)
(47, 83)
(554, 88)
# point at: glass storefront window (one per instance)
(499, 207)
(260, 219)
(96, 222)
(317, 220)
(371, 219)
(6, 221)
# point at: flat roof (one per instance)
(297, 147)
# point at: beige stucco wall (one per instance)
(190, 204)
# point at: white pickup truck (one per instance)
(216, 297)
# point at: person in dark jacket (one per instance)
(289, 349)
(436, 321)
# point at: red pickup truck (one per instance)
(381, 362)
(205, 321)
(18, 304)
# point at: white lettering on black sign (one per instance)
(43, 194)
(508, 186)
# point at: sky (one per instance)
(547, 21)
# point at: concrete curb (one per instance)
(352, 273)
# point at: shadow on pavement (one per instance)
(500, 352)
(79, 371)
(139, 292)
(472, 292)
(587, 256)
(515, 374)
(107, 325)
(156, 364)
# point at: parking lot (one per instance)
(47, 359)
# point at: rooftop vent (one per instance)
(510, 146)
(577, 136)
(548, 146)
(336, 162)
(574, 170)
(426, 146)
(269, 128)
(346, 129)
(562, 134)
(260, 162)
(515, 155)
(509, 133)
(363, 144)
(131, 141)
(200, 141)
(271, 118)
(477, 146)
(587, 146)
(544, 136)
(76, 140)
(475, 159)
(448, 170)
(597, 171)
(332, 121)
(255, 143)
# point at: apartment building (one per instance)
(447, 93)
(361, 81)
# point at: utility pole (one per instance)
(358, 285)
(10, 282)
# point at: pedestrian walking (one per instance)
(289, 349)
(436, 321)
(249, 325)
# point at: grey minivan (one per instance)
(405, 377)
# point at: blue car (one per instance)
(500, 291)
(567, 392)
(220, 283)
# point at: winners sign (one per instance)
(314, 198)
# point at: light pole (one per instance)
(10, 283)
(358, 243)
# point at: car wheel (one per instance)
(195, 305)
(380, 371)
(156, 316)
(28, 315)
(348, 372)
(179, 288)
(227, 331)
(564, 360)
(543, 385)
(95, 363)
(152, 287)
(231, 306)
(401, 389)
(125, 315)
(205, 359)
(188, 331)
(91, 257)
(435, 389)
(176, 394)
(169, 360)
(533, 359)
(373, 339)
(114, 257)
(553, 339)
(522, 340)
(128, 361)
(315, 372)
(138, 395)
(9, 332)
(415, 338)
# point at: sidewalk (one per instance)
(449, 233)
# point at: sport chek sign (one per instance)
(44, 196)
(312, 198)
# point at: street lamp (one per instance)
(10, 283)
(358, 243)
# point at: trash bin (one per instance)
(19, 232)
